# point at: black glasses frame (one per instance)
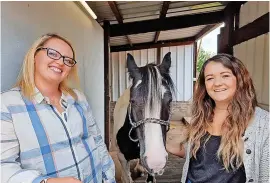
(61, 56)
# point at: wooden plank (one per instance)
(169, 23)
(141, 46)
(244, 15)
(118, 16)
(173, 69)
(163, 13)
(194, 64)
(258, 66)
(128, 81)
(137, 57)
(106, 27)
(122, 72)
(151, 56)
(180, 73)
(250, 56)
(256, 28)
(253, 8)
(265, 86)
(115, 80)
(188, 81)
(143, 57)
(263, 8)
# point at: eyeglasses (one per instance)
(55, 55)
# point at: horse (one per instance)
(146, 118)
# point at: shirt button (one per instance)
(250, 180)
(248, 151)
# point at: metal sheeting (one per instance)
(141, 38)
(189, 8)
(119, 40)
(133, 11)
(119, 75)
(254, 53)
(180, 33)
(139, 11)
(181, 69)
(102, 10)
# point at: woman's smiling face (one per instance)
(220, 82)
(48, 69)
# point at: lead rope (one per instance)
(147, 120)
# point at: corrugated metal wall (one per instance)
(181, 69)
(255, 52)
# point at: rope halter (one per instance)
(146, 120)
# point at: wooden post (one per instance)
(158, 56)
(228, 30)
(106, 27)
(195, 55)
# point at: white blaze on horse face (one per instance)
(154, 147)
(138, 83)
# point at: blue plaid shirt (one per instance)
(38, 142)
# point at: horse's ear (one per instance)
(132, 66)
(166, 63)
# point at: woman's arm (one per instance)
(108, 167)
(10, 166)
(178, 150)
(264, 161)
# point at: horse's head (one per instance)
(149, 110)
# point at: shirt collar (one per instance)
(39, 98)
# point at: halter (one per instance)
(146, 120)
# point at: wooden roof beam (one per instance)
(159, 44)
(163, 13)
(169, 23)
(206, 30)
(118, 16)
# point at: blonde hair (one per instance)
(26, 77)
(242, 108)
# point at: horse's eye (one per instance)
(132, 101)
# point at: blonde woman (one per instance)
(48, 132)
(229, 134)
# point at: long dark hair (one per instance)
(242, 109)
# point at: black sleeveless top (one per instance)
(208, 169)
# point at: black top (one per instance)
(208, 169)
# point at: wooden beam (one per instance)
(226, 39)
(169, 23)
(206, 30)
(254, 29)
(106, 27)
(158, 55)
(118, 16)
(159, 44)
(194, 63)
(116, 11)
(163, 13)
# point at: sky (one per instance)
(209, 42)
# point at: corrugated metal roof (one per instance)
(133, 11)
(140, 10)
(142, 38)
(180, 33)
(102, 10)
(119, 40)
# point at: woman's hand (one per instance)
(177, 150)
(63, 180)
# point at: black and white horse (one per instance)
(147, 119)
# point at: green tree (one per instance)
(202, 57)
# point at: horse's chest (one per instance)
(130, 149)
